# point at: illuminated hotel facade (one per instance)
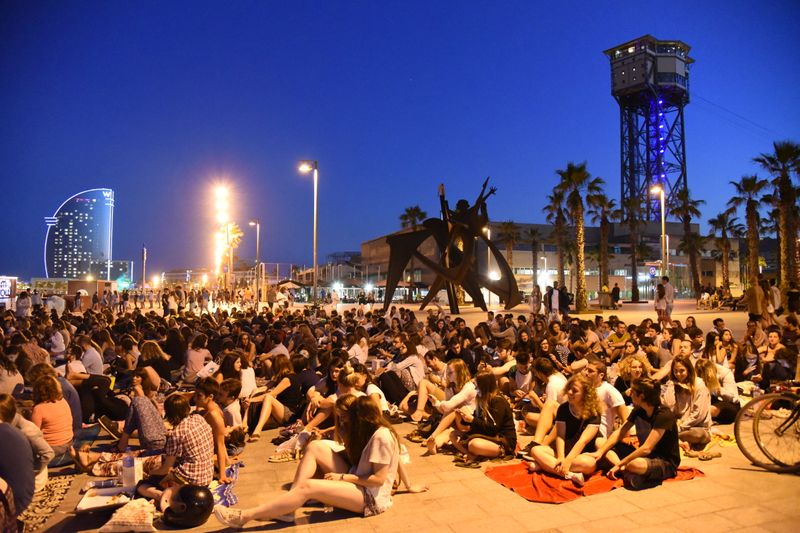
(80, 234)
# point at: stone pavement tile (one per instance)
(785, 526)
(493, 523)
(705, 523)
(410, 521)
(465, 511)
(787, 505)
(614, 523)
(661, 528)
(601, 506)
(693, 508)
(548, 517)
(654, 498)
(655, 516)
(752, 515)
(753, 529)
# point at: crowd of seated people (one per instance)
(192, 390)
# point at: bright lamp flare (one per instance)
(305, 167)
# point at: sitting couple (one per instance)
(577, 451)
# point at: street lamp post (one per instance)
(658, 189)
(306, 167)
(257, 224)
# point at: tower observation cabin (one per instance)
(650, 82)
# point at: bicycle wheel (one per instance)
(776, 427)
(745, 436)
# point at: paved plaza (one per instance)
(733, 496)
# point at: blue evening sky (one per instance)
(157, 100)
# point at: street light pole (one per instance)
(305, 167)
(664, 252)
(257, 224)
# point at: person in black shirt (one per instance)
(491, 430)
(283, 400)
(658, 456)
(577, 425)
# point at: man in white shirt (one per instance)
(545, 372)
(609, 397)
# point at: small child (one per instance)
(229, 391)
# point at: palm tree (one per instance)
(576, 182)
(603, 212)
(508, 233)
(631, 209)
(781, 164)
(570, 255)
(692, 244)
(533, 236)
(556, 216)
(687, 209)
(748, 190)
(727, 226)
(411, 218)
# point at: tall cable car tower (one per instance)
(650, 81)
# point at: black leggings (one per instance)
(727, 411)
(97, 399)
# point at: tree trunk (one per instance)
(752, 240)
(726, 277)
(561, 282)
(694, 274)
(510, 256)
(785, 246)
(634, 259)
(581, 303)
(535, 263)
(603, 253)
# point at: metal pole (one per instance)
(664, 251)
(144, 266)
(258, 262)
(316, 180)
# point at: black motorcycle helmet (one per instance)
(191, 508)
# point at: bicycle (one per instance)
(767, 430)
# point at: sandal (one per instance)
(460, 458)
(415, 437)
(282, 457)
(469, 464)
(255, 437)
(707, 456)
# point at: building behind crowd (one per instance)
(79, 234)
(523, 259)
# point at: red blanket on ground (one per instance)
(546, 488)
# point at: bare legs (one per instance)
(320, 456)
(339, 494)
(545, 457)
(270, 408)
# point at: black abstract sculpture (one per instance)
(455, 234)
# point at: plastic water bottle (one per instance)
(129, 470)
(757, 392)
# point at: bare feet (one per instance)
(417, 415)
(431, 445)
(81, 458)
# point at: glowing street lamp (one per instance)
(222, 206)
(306, 167)
(257, 224)
(155, 281)
(658, 189)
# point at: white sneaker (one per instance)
(228, 516)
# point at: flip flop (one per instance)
(707, 456)
(415, 437)
(255, 437)
(469, 464)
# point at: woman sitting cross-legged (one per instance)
(491, 430)
(370, 445)
(577, 425)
